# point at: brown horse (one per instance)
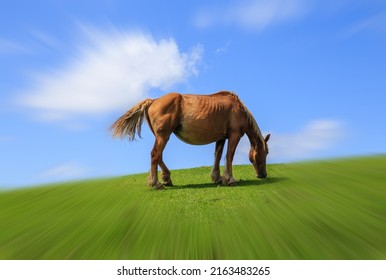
(197, 120)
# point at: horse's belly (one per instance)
(197, 134)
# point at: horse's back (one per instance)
(194, 104)
(166, 103)
(219, 97)
(196, 119)
(207, 118)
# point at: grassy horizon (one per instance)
(331, 209)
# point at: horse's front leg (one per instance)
(228, 176)
(216, 177)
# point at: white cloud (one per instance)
(252, 14)
(64, 171)
(314, 139)
(111, 71)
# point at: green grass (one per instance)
(319, 210)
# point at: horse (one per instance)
(197, 120)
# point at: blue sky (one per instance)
(313, 73)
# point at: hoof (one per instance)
(157, 186)
(230, 182)
(168, 183)
(217, 180)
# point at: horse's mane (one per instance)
(251, 120)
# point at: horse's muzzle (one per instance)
(262, 175)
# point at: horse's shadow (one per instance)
(240, 183)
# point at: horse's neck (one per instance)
(253, 131)
(253, 139)
(254, 136)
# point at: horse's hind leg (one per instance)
(165, 174)
(216, 177)
(156, 159)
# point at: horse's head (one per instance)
(258, 155)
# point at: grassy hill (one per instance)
(320, 210)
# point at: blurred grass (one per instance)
(318, 210)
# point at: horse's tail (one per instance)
(131, 122)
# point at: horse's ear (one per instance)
(267, 138)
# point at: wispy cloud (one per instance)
(65, 171)
(223, 49)
(374, 23)
(111, 71)
(12, 47)
(45, 39)
(311, 141)
(4, 138)
(251, 14)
